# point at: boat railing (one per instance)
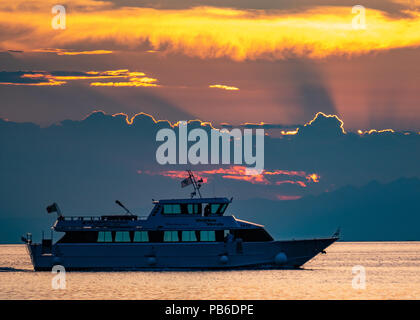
(79, 218)
(94, 218)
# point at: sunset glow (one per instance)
(239, 173)
(211, 32)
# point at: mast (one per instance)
(196, 184)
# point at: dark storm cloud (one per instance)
(85, 165)
(41, 77)
(16, 77)
(260, 126)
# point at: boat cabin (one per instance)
(196, 207)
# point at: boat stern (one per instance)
(41, 254)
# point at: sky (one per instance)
(80, 108)
(221, 61)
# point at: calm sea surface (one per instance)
(392, 272)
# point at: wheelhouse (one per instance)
(196, 207)
(172, 220)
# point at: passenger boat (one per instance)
(178, 234)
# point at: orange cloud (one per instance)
(121, 73)
(33, 75)
(136, 79)
(74, 53)
(236, 172)
(290, 132)
(221, 86)
(133, 82)
(300, 183)
(374, 131)
(63, 52)
(52, 79)
(313, 177)
(209, 32)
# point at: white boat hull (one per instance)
(177, 255)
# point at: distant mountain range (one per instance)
(376, 211)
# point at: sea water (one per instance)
(349, 270)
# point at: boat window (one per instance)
(188, 236)
(214, 208)
(207, 236)
(141, 236)
(104, 236)
(223, 208)
(171, 209)
(170, 236)
(194, 208)
(122, 236)
(217, 208)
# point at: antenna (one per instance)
(196, 184)
(122, 206)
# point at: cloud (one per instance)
(223, 87)
(32, 78)
(64, 52)
(285, 197)
(58, 78)
(392, 7)
(373, 131)
(321, 126)
(212, 32)
(133, 82)
(237, 172)
(321, 156)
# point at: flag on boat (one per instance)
(186, 182)
(52, 208)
